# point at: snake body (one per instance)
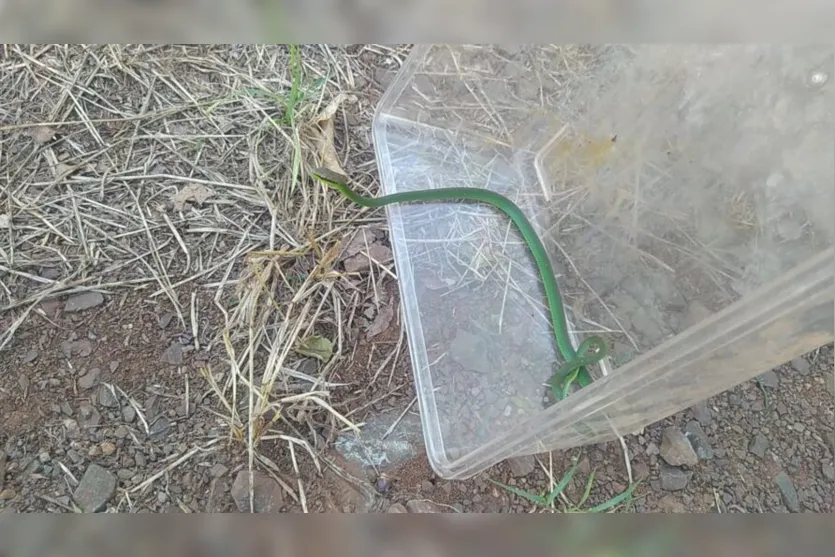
(590, 351)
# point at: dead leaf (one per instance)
(362, 261)
(197, 193)
(62, 170)
(383, 319)
(321, 132)
(42, 134)
(5, 221)
(317, 347)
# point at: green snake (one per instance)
(590, 351)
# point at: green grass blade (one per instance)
(561, 485)
(587, 490)
(532, 497)
(615, 501)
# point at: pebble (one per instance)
(72, 348)
(140, 459)
(121, 432)
(788, 492)
(107, 398)
(8, 494)
(128, 413)
(676, 449)
(218, 470)
(267, 494)
(698, 439)
(396, 508)
(769, 379)
(759, 445)
(674, 478)
(90, 379)
(521, 465)
(801, 365)
(83, 301)
(423, 506)
(96, 487)
(652, 449)
(173, 355)
(125, 474)
(108, 448)
(159, 429)
(701, 412)
(828, 470)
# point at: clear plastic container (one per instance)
(685, 195)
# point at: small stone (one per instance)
(94, 451)
(121, 432)
(769, 379)
(164, 320)
(90, 379)
(162, 497)
(218, 470)
(801, 365)
(799, 427)
(30, 356)
(423, 506)
(698, 439)
(383, 484)
(701, 412)
(8, 494)
(676, 449)
(95, 488)
(789, 493)
(173, 355)
(125, 474)
(108, 448)
(83, 301)
(674, 478)
(44, 457)
(396, 508)
(107, 398)
(74, 456)
(82, 348)
(759, 445)
(268, 496)
(89, 415)
(140, 459)
(128, 413)
(652, 449)
(113, 366)
(66, 408)
(426, 486)
(828, 470)
(159, 429)
(71, 426)
(521, 465)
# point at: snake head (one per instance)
(329, 177)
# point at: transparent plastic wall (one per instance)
(686, 196)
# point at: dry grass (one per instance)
(181, 171)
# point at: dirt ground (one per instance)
(181, 305)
